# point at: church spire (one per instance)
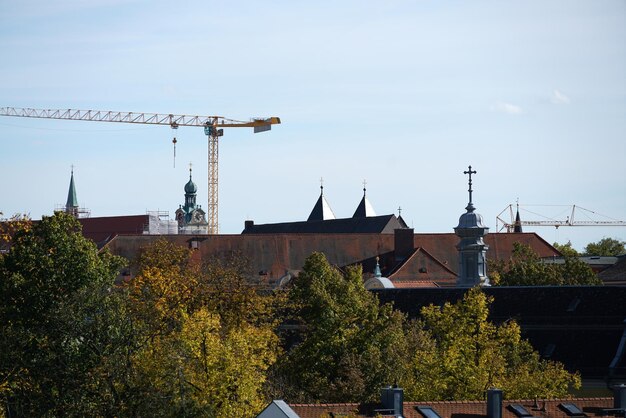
(472, 249)
(518, 221)
(71, 206)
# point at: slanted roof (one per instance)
(452, 409)
(321, 211)
(102, 229)
(442, 246)
(616, 274)
(421, 266)
(384, 224)
(364, 209)
(278, 409)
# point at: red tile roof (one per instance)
(458, 409)
(103, 229)
(278, 254)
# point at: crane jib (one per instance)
(209, 123)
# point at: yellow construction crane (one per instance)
(213, 129)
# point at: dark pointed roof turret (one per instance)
(321, 211)
(517, 227)
(365, 208)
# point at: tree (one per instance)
(566, 249)
(467, 354)
(350, 346)
(209, 336)
(606, 247)
(526, 268)
(54, 322)
(8, 227)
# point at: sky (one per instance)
(402, 94)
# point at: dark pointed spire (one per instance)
(400, 219)
(321, 211)
(517, 227)
(365, 208)
(71, 206)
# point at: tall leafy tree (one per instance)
(566, 249)
(209, 336)
(526, 268)
(468, 354)
(55, 286)
(350, 345)
(606, 247)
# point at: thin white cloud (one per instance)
(558, 97)
(509, 108)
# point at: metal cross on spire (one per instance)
(364, 184)
(190, 165)
(321, 186)
(470, 172)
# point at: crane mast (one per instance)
(213, 129)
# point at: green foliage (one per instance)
(180, 339)
(566, 249)
(186, 339)
(209, 336)
(525, 268)
(8, 227)
(350, 345)
(605, 247)
(467, 354)
(53, 312)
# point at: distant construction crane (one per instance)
(570, 220)
(212, 129)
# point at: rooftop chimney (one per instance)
(392, 398)
(248, 224)
(494, 403)
(619, 396)
(403, 244)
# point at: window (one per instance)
(572, 410)
(427, 412)
(519, 410)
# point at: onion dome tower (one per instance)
(321, 211)
(365, 208)
(191, 218)
(472, 249)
